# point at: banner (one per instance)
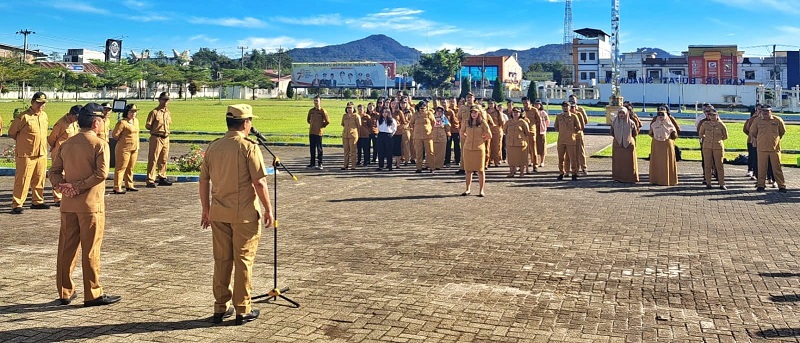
(113, 50)
(343, 74)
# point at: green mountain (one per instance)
(373, 48)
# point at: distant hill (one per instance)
(372, 48)
(544, 53)
(659, 53)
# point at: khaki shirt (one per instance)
(440, 130)
(516, 131)
(127, 134)
(402, 121)
(768, 133)
(568, 126)
(29, 132)
(455, 123)
(582, 116)
(367, 125)
(158, 122)
(422, 124)
(746, 129)
(350, 125)
(713, 134)
(61, 131)
(232, 164)
(532, 117)
(473, 137)
(83, 162)
(104, 133)
(318, 119)
(496, 122)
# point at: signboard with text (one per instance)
(343, 74)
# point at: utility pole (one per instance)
(280, 51)
(25, 33)
(242, 48)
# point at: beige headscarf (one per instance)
(662, 128)
(623, 128)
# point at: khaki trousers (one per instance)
(235, 248)
(425, 145)
(566, 155)
(712, 159)
(532, 148)
(580, 152)
(157, 156)
(83, 230)
(496, 152)
(350, 148)
(774, 160)
(123, 171)
(405, 146)
(30, 173)
(438, 154)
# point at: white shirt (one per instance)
(385, 127)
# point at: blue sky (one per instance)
(475, 26)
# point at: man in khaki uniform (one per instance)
(422, 125)
(713, 132)
(29, 132)
(532, 118)
(79, 171)
(768, 132)
(158, 122)
(318, 120)
(568, 126)
(495, 152)
(106, 120)
(64, 128)
(580, 145)
(232, 181)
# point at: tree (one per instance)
(116, 74)
(79, 82)
(558, 69)
(532, 92)
(289, 90)
(498, 92)
(466, 87)
(436, 70)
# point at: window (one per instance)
(749, 74)
(678, 72)
(631, 74)
(609, 75)
(583, 75)
(592, 56)
(477, 73)
(654, 73)
(583, 56)
(592, 75)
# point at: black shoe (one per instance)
(102, 300)
(151, 185)
(40, 207)
(247, 317)
(709, 186)
(418, 171)
(782, 190)
(116, 192)
(67, 301)
(131, 189)
(723, 187)
(461, 172)
(379, 169)
(16, 210)
(164, 182)
(574, 177)
(218, 317)
(760, 189)
(310, 166)
(57, 204)
(560, 177)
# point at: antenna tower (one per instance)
(568, 35)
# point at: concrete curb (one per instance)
(5, 171)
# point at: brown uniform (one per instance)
(158, 122)
(474, 149)
(568, 126)
(62, 130)
(402, 130)
(713, 134)
(440, 133)
(532, 117)
(126, 132)
(350, 125)
(232, 164)
(422, 124)
(29, 132)
(516, 135)
(106, 128)
(82, 161)
(768, 134)
(496, 145)
(580, 144)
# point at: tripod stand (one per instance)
(276, 162)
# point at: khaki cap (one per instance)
(240, 111)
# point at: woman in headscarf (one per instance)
(663, 166)
(475, 133)
(624, 167)
(516, 132)
(632, 114)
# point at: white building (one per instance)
(83, 56)
(588, 50)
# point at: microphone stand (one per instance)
(276, 162)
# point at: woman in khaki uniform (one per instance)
(541, 134)
(531, 115)
(475, 132)
(350, 123)
(663, 166)
(422, 123)
(64, 128)
(516, 133)
(714, 132)
(624, 166)
(403, 115)
(496, 146)
(441, 132)
(126, 132)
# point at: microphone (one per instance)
(254, 132)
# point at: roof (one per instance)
(35, 53)
(591, 33)
(87, 67)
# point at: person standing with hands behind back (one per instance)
(233, 180)
(713, 132)
(158, 122)
(317, 119)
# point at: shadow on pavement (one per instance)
(54, 305)
(408, 197)
(778, 274)
(777, 333)
(785, 298)
(59, 334)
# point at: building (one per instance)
(83, 56)
(588, 48)
(10, 51)
(484, 70)
(178, 58)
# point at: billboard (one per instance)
(343, 74)
(113, 50)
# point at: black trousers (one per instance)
(315, 147)
(385, 145)
(453, 146)
(373, 138)
(363, 149)
(752, 157)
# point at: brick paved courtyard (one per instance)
(401, 257)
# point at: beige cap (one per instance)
(240, 111)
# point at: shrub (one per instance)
(290, 90)
(8, 154)
(373, 94)
(348, 93)
(190, 161)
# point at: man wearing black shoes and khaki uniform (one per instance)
(232, 181)
(158, 122)
(79, 172)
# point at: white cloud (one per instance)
(400, 11)
(470, 49)
(78, 7)
(202, 37)
(273, 43)
(781, 6)
(325, 19)
(233, 22)
(147, 18)
(135, 4)
(387, 20)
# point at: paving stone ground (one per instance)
(402, 257)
